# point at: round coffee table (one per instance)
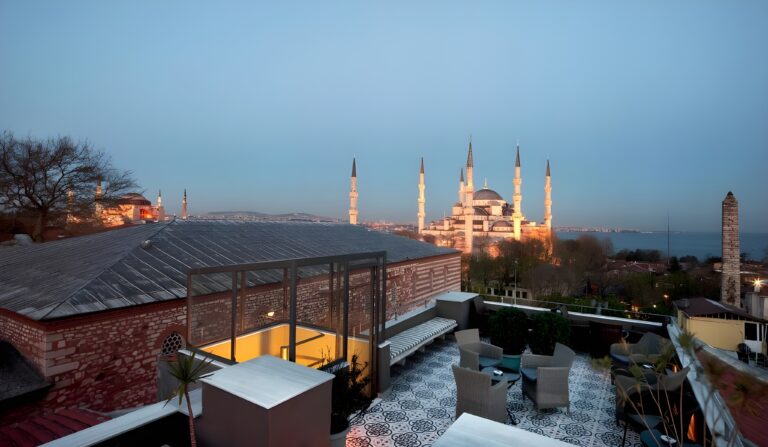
(512, 377)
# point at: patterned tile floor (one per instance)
(422, 404)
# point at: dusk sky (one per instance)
(642, 107)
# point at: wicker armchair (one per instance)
(646, 350)
(545, 378)
(629, 388)
(475, 395)
(487, 354)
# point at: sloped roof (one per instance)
(48, 427)
(117, 269)
(745, 391)
(705, 307)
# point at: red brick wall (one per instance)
(28, 336)
(105, 362)
(108, 360)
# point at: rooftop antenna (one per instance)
(667, 237)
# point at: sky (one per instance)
(644, 108)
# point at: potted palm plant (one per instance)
(187, 371)
(348, 397)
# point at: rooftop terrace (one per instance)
(422, 404)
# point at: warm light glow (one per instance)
(654, 306)
(271, 313)
(665, 297)
(692, 428)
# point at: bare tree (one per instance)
(49, 179)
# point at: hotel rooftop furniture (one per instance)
(653, 438)
(475, 394)
(488, 354)
(641, 403)
(472, 431)
(646, 350)
(410, 340)
(545, 378)
(261, 401)
(510, 377)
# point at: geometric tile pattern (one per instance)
(422, 404)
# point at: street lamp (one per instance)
(515, 281)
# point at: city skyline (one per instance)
(262, 107)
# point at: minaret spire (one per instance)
(548, 199)
(353, 194)
(517, 199)
(422, 198)
(461, 187)
(469, 209)
(184, 205)
(160, 210)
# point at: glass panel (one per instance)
(210, 312)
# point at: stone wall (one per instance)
(730, 287)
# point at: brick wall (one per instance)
(28, 336)
(108, 360)
(105, 362)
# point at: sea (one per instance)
(700, 244)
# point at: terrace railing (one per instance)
(547, 304)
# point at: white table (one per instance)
(471, 431)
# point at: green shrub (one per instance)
(548, 328)
(509, 329)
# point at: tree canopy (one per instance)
(52, 178)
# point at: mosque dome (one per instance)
(502, 224)
(487, 194)
(133, 198)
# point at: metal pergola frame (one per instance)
(375, 262)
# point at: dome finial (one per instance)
(485, 183)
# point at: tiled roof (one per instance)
(46, 428)
(705, 307)
(149, 263)
(18, 377)
(746, 395)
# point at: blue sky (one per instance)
(643, 107)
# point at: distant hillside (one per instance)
(255, 215)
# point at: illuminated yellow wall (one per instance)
(269, 341)
(720, 333)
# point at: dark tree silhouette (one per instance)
(48, 179)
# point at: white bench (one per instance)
(410, 340)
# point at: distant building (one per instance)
(485, 213)
(721, 325)
(132, 208)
